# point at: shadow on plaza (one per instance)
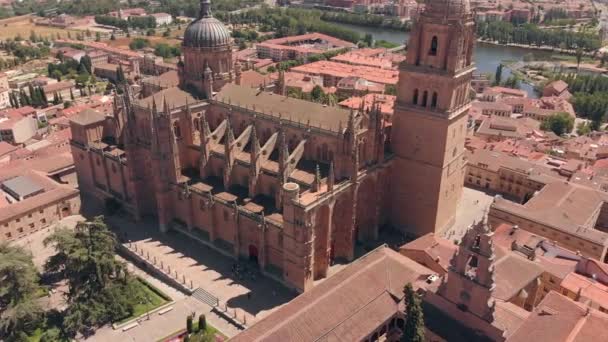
(263, 293)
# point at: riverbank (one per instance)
(545, 48)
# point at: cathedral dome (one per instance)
(448, 8)
(206, 31)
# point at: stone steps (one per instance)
(205, 297)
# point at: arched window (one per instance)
(176, 130)
(425, 96)
(415, 98)
(434, 43)
(434, 100)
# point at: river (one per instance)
(487, 56)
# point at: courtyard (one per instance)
(246, 293)
(472, 207)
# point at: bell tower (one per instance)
(430, 119)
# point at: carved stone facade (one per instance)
(288, 184)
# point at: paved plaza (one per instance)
(251, 294)
(473, 204)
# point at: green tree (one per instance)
(120, 76)
(100, 288)
(86, 64)
(56, 74)
(19, 310)
(559, 123)
(583, 128)
(414, 318)
(317, 93)
(498, 74)
(579, 57)
(369, 39)
(189, 324)
(202, 322)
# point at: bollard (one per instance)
(147, 255)
(191, 286)
(183, 279)
(169, 269)
(162, 266)
(176, 274)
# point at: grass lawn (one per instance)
(155, 298)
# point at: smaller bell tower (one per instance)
(471, 279)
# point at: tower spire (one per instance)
(205, 11)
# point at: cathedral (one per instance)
(289, 184)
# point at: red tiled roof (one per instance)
(345, 70)
(6, 148)
(346, 306)
(558, 318)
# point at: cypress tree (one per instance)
(45, 100)
(189, 324)
(414, 318)
(120, 76)
(202, 323)
(71, 94)
(498, 75)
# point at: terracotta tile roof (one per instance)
(559, 86)
(166, 80)
(53, 192)
(252, 78)
(563, 206)
(345, 70)
(439, 249)
(376, 60)
(59, 86)
(558, 318)
(590, 290)
(88, 116)
(288, 108)
(514, 273)
(509, 317)
(387, 102)
(174, 96)
(345, 306)
(6, 148)
(309, 36)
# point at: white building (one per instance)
(162, 18)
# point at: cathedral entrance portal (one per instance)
(253, 253)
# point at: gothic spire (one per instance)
(255, 144)
(283, 156)
(316, 185)
(331, 177)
